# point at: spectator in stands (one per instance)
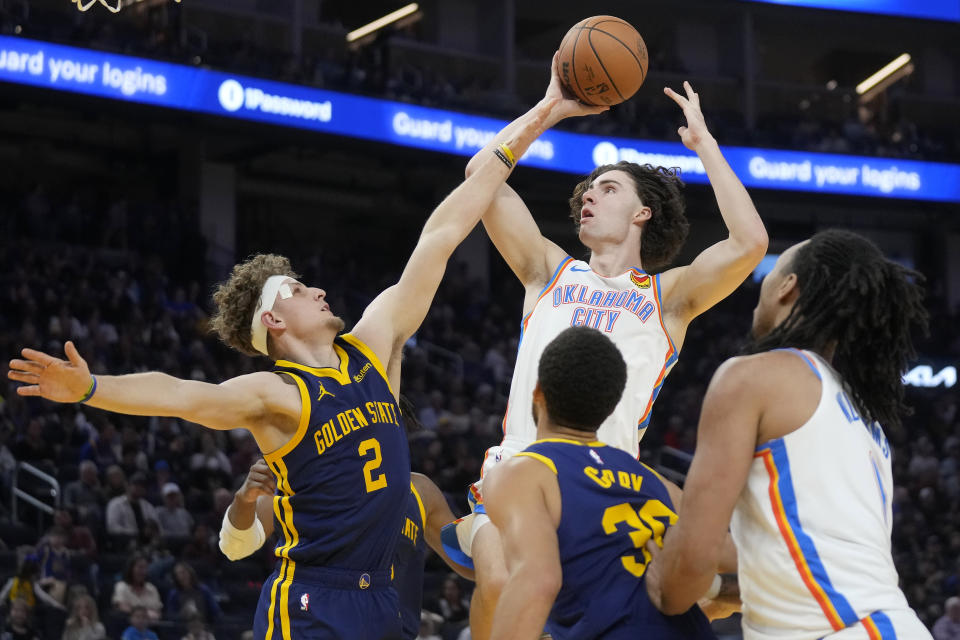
(197, 630)
(8, 464)
(453, 606)
(159, 557)
(84, 621)
(85, 494)
(103, 446)
(116, 482)
(127, 513)
(18, 626)
(25, 586)
(175, 522)
(139, 617)
(210, 464)
(79, 538)
(189, 599)
(34, 448)
(54, 559)
(161, 476)
(134, 592)
(431, 415)
(948, 626)
(429, 623)
(201, 552)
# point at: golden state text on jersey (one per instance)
(344, 478)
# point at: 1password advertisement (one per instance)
(162, 84)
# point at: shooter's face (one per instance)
(610, 208)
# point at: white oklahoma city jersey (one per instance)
(627, 309)
(813, 528)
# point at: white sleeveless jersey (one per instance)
(813, 527)
(627, 309)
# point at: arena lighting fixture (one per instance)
(114, 6)
(380, 23)
(890, 73)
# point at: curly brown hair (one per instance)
(658, 188)
(237, 298)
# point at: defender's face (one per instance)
(306, 309)
(609, 207)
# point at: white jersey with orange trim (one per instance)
(813, 524)
(626, 308)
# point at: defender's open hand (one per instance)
(52, 378)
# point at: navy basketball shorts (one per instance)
(301, 602)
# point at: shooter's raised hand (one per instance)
(567, 105)
(52, 378)
(696, 130)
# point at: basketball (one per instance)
(603, 60)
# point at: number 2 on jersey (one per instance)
(642, 524)
(373, 484)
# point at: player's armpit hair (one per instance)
(237, 298)
(867, 306)
(658, 188)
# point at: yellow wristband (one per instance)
(507, 152)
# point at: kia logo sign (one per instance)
(923, 376)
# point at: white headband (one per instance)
(268, 296)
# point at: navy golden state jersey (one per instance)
(611, 506)
(408, 566)
(344, 478)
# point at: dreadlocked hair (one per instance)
(658, 188)
(409, 414)
(868, 306)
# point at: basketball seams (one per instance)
(643, 74)
(617, 62)
(573, 57)
(600, 61)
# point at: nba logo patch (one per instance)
(364, 581)
(641, 280)
(596, 456)
(305, 602)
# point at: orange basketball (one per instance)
(603, 60)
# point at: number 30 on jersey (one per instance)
(641, 525)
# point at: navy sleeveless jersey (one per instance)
(408, 566)
(344, 478)
(611, 506)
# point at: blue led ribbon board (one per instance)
(125, 78)
(929, 9)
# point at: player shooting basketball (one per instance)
(631, 218)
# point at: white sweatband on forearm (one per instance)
(711, 593)
(240, 543)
